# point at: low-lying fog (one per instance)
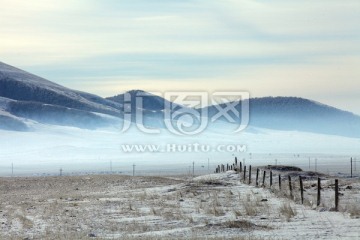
(79, 151)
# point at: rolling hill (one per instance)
(24, 96)
(298, 114)
(26, 99)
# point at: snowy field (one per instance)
(76, 151)
(216, 206)
(97, 199)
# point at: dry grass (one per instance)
(287, 211)
(113, 206)
(120, 207)
(353, 208)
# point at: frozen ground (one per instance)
(216, 206)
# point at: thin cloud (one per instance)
(302, 48)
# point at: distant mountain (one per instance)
(17, 84)
(26, 99)
(151, 109)
(149, 101)
(11, 122)
(26, 96)
(279, 113)
(299, 114)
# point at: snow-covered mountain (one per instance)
(63, 130)
(151, 107)
(23, 86)
(24, 96)
(279, 113)
(26, 99)
(299, 114)
(150, 101)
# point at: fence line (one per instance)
(239, 168)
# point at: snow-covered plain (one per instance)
(49, 148)
(216, 206)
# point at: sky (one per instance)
(306, 48)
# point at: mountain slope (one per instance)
(20, 85)
(32, 97)
(11, 122)
(292, 113)
(151, 109)
(150, 102)
(25, 98)
(279, 113)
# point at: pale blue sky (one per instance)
(304, 48)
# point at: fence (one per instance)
(296, 183)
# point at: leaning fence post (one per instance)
(301, 190)
(318, 192)
(336, 195)
(257, 177)
(264, 175)
(290, 186)
(244, 173)
(279, 182)
(249, 174)
(271, 179)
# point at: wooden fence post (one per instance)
(336, 195)
(244, 173)
(318, 192)
(264, 175)
(301, 190)
(271, 179)
(249, 174)
(257, 177)
(290, 186)
(279, 182)
(240, 169)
